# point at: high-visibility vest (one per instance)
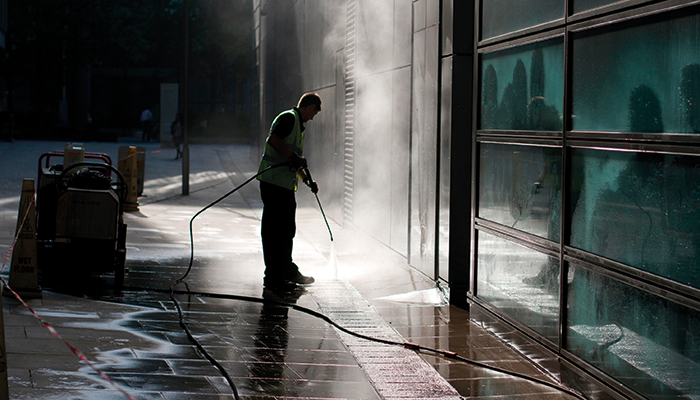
(285, 177)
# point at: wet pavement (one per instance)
(269, 351)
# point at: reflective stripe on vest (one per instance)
(283, 176)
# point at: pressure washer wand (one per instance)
(310, 180)
(324, 216)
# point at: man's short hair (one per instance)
(310, 98)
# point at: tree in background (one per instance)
(513, 109)
(540, 115)
(537, 73)
(489, 105)
(645, 111)
(54, 44)
(221, 62)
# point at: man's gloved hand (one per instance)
(314, 187)
(298, 162)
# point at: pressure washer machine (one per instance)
(81, 234)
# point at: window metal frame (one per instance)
(659, 286)
(617, 6)
(680, 138)
(618, 14)
(517, 140)
(525, 239)
(641, 147)
(523, 33)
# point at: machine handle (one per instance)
(122, 183)
(98, 156)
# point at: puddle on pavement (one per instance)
(264, 353)
(434, 297)
(265, 349)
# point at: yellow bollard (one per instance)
(24, 274)
(140, 163)
(130, 174)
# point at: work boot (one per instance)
(293, 275)
(300, 279)
(290, 277)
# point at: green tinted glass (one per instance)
(522, 88)
(640, 209)
(640, 78)
(648, 343)
(523, 282)
(520, 186)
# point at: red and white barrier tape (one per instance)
(48, 326)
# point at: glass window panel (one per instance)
(641, 78)
(522, 88)
(648, 343)
(501, 16)
(641, 209)
(520, 186)
(521, 282)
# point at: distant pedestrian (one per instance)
(147, 124)
(176, 131)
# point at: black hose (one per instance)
(408, 345)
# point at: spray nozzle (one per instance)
(309, 181)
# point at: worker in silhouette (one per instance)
(285, 144)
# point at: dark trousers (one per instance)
(147, 128)
(278, 230)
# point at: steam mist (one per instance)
(381, 164)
